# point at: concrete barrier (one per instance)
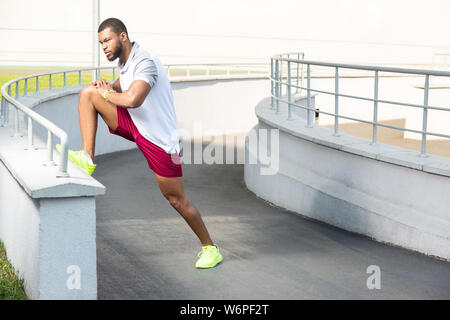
(387, 193)
(47, 223)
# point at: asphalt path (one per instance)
(145, 250)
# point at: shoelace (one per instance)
(206, 252)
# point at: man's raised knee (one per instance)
(88, 90)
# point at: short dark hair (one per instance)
(115, 24)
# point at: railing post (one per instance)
(278, 85)
(16, 122)
(425, 116)
(49, 161)
(298, 68)
(37, 83)
(30, 134)
(302, 75)
(289, 90)
(6, 115)
(50, 84)
(375, 110)
(281, 78)
(25, 90)
(308, 81)
(16, 113)
(65, 80)
(336, 103)
(63, 157)
(2, 113)
(79, 77)
(114, 73)
(271, 84)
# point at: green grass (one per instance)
(44, 81)
(11, 286)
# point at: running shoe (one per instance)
(209, 257)
(82, 160)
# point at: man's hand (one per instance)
(95, 82)
(131, 98)
(101, 85)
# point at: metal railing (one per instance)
(32, 116)
(277, 82)
(207, 70)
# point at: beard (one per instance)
(117, 52)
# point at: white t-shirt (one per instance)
(155, 119)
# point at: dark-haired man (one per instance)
(139, 107)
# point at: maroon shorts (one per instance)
(162, 163)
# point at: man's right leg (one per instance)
(90, 104)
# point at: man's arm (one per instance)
(131, 98)
(116, 85)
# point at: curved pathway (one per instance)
(145, 250)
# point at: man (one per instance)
(139, 107)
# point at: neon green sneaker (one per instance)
(80, 159)
(209, 257)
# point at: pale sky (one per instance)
(383, 31)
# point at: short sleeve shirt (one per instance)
(155, 119)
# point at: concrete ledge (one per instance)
(384, 192)
(39, 180)
(359, 146)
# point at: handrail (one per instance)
(278, 83)
(52, 129)
(368, 68)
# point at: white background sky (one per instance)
(357, 31)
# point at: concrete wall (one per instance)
(383, 192)
(47, 223)
(45, 237)
(19, 229)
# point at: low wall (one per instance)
(387, 193)
(47, 223)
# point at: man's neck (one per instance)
(125, 52)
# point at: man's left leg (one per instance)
(173, 190)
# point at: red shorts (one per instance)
(162, 163)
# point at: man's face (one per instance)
(110, 43)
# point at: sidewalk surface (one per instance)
(145, 249)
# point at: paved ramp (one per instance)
(145, 250)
